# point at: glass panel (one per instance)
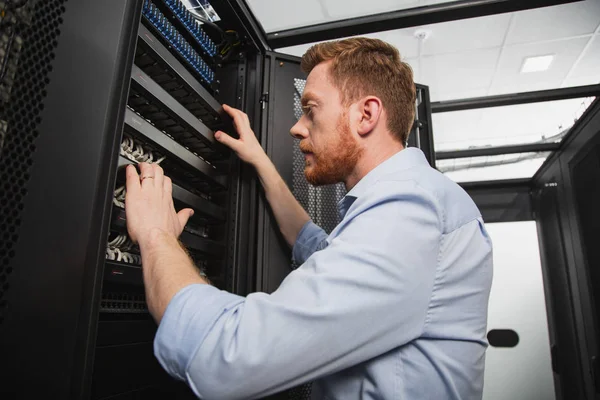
(517, 302)
(505, 166)
(509, 125)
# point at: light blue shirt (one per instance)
(391, 305)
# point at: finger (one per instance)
(229, 110)
(146, 174)
(133, 180)
(240, 119)
(168, 186)
(227, 140)
(159, 175)
(184, 215)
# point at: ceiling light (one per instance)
(537, 63)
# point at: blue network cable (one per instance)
(189, 21)
(164, 26)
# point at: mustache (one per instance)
(305, 147)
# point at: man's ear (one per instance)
(369, 110)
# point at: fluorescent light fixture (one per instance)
(537, 63)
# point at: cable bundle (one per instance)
(136, 152)
(117, 250)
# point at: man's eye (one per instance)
(307, 110)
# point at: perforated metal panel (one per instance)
(20, 116)
(320, 202)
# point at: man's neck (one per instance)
(369, 161)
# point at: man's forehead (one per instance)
(318, 84)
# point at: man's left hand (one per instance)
(149, 205)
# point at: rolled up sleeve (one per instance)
(311, 238)
(190, 315)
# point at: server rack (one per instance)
(92, 87)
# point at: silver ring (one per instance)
(146, 177)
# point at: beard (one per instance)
(336, 160)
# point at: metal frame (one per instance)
(432, 14)
(516, 98)
(495, 151)
(241, 87)
(239, 17)
(274, 255)
(511, 99)
(421, 135)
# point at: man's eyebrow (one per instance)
(308, 96)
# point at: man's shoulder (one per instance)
(426, 184)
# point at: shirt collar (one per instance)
(402, 160)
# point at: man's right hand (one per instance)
(246, 147)
(289, 214)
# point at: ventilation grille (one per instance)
(20, 108)
(123, 303)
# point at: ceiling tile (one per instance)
(589, 64)
(450, 76)
(509, 79)
(432, 2)
(468, 34)
(402, 39)
(442, 94)
(555, 22)
(341, 9)
(414, 64)
(297, 51)
(280, 15)
(582, 80)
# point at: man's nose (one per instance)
(299, 131)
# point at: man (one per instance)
(392, 304)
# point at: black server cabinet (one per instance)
(89, 88)
(63, 115)
(565, 202)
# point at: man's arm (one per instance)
(290, 215)
(153, 223)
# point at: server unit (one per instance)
(87, 88)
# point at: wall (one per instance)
(517, 302)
